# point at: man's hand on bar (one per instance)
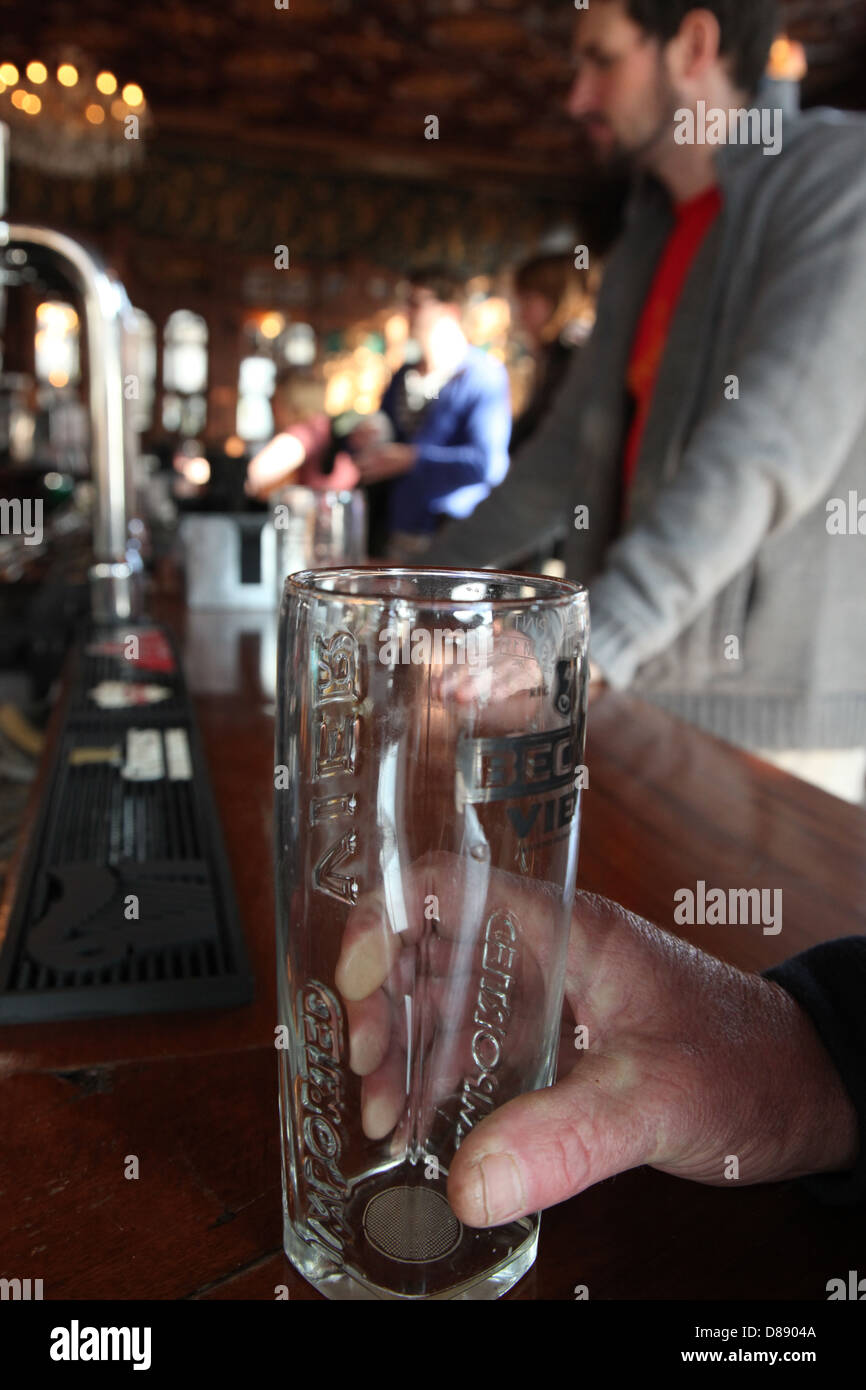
(689, 1061)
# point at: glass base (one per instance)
(342, 1280)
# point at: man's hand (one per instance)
(385, 461)
(689, 1061)
(507, 689)
(364, 436)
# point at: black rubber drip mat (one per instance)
(125, 902)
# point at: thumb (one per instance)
(544, 1147)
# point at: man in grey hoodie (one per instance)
(710, 442)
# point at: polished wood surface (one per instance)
(194, 1096)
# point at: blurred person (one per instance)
(555, 311)
(305, 450)
(451, 415)
(708, 446)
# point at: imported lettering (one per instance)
(491, 1014)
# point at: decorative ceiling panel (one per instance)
(353, 79)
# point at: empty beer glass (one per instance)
(429, 766)
(317, 527)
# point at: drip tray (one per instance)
(125, 902)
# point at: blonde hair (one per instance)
(300, 391)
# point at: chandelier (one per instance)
(71, 119)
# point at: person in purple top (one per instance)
(451, 416)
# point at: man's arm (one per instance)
(764, 461)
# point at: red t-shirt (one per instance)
(693, 221)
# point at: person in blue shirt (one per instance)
(451, 417)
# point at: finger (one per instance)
(435, 888)
(542, 1148)
(374, 1020)
(501, 698)
(383, 1096)
(500, 679)
(369, 1022)
(442, 1022)
(368, 951)
(385, 1091)
(464, 893)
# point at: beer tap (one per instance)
(110, 327)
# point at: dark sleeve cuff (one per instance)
(829, 982)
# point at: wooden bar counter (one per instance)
(194, 1095)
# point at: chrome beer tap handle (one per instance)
(110, 331)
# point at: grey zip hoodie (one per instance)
(734, 594)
